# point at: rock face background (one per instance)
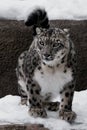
(15, 37)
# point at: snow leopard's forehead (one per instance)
(52, 33)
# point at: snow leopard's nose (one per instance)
(46, 55)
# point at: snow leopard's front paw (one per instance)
(37, 112)
(24, 101)
(69, 116)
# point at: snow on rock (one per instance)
(11, 111)
(58, 9)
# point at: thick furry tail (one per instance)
(38, 18)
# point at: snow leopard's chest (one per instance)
(52, 82)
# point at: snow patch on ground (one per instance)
(11, 111)
(58, 9)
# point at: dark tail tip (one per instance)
(38, 18)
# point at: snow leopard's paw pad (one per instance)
(37, 112)
(69, 116)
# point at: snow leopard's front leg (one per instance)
(23, 94)
(35, 99)
(65, 109)
(21, 77)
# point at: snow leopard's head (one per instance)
(52, 45)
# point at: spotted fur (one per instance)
(47, 69)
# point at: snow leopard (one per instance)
(47, 69)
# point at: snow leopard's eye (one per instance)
(57, 45)
(41, 43)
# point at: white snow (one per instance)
(57, 9)
(11, 111)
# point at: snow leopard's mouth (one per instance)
(49, 61)
(47, 58)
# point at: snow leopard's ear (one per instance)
(38, 31)
(67, 30)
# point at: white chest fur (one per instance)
(52, 81)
